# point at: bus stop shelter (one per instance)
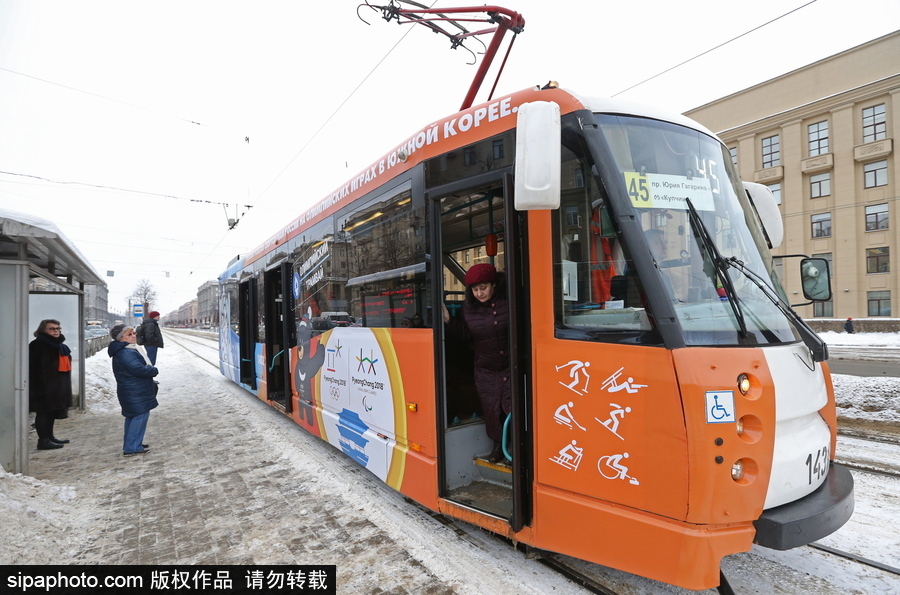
(42, 275)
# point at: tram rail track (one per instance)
(855, 558)
(182, 340)
(892, 439)
(872, 470)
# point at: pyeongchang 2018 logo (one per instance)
(367, 364)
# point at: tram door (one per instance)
(278, 334)
(248, 331)
(478, 226)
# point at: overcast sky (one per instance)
(125, 123)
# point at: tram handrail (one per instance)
(505, 438)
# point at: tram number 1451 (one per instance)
(817, 464)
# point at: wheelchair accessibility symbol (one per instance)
(720, 407)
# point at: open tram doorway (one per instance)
(476, 225)
(278, 335)
(247, 323)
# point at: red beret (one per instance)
(153, 314)
(481, 273)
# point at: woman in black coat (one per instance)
(485, 321)
(49, 381)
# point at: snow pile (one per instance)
(868, 340)
(41, 521)
(867, 398)
(44, 523)
(100, 385)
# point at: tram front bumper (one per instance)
(810, 518)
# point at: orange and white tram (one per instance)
(668, 406)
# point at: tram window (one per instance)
(477, 158)
(312, 255)
(384, 241)
(598, 297)
(229, 305)
(229, 321)
(260, 309)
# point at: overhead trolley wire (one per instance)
(680, 64)
(311, 138)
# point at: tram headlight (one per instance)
(739, 427)
(737, 470)
(744, 471)
(743, 383)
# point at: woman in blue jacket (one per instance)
(135, 386)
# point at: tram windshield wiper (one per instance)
(817, 347)
(720, 266)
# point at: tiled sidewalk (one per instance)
(211, 491)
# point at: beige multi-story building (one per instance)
(821, 137)
(208, 304)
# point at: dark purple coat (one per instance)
(487, 326)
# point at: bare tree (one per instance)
(144, 294)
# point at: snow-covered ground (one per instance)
(866, 398)
(45, 520)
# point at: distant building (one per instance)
(186, 314)
(208, 304)
(96, 304)
(821, 137)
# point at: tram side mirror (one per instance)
(816, 279)
(766, 207)
(538, 142)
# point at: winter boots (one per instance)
(48, 444)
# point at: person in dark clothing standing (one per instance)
(49, 381)
(135, 386)
(848, 325)
(485, 321)
(149, 335)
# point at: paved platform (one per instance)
(214, 491)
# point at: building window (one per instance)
(498, 149)
(874, 124)
(879, 303)
(877, 217)
(878, 260)
(771, 152)
(820, 185)
(821, 225)
(876, 174)
(733, 151)
(469, 156)
(818, 138)
(776, 190)
(824, 309)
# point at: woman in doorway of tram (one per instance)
(485, 321)
(49, 381)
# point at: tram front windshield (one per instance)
(664, 169)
